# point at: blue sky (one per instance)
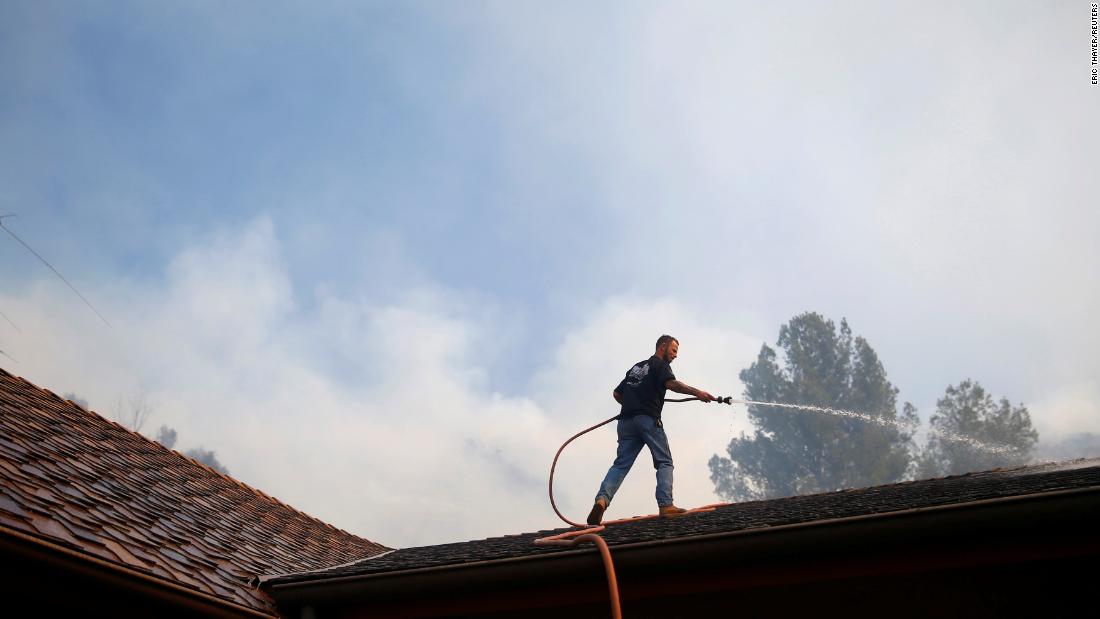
(423, 239)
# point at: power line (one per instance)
(56, 272)
(10, 322)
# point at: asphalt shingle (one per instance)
(1001, 483)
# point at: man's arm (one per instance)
(618, 396)
(679, 387)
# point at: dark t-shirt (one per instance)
(643, 389)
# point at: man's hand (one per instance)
(704, 396)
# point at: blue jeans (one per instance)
(633, 434)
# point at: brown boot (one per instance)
(671, 510)
(596, 515)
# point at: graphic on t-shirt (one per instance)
(636, 374)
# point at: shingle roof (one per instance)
(75, 479)
(928, 493)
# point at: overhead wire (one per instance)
(13, 325)
(51, 267)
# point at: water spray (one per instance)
(881, 421)
(585, 533)
(838, 412)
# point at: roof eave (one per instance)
(34, 548)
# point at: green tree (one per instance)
(967, 410)
(796, 452)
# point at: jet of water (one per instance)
(900, 425)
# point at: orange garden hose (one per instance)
(572, 538)
(589, 534)
(555, 464)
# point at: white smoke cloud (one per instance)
(402, 443)
(1072, 410)
(741, 164)
(378, 418)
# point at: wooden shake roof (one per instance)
(71, 478)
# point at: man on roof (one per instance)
(642, 396)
